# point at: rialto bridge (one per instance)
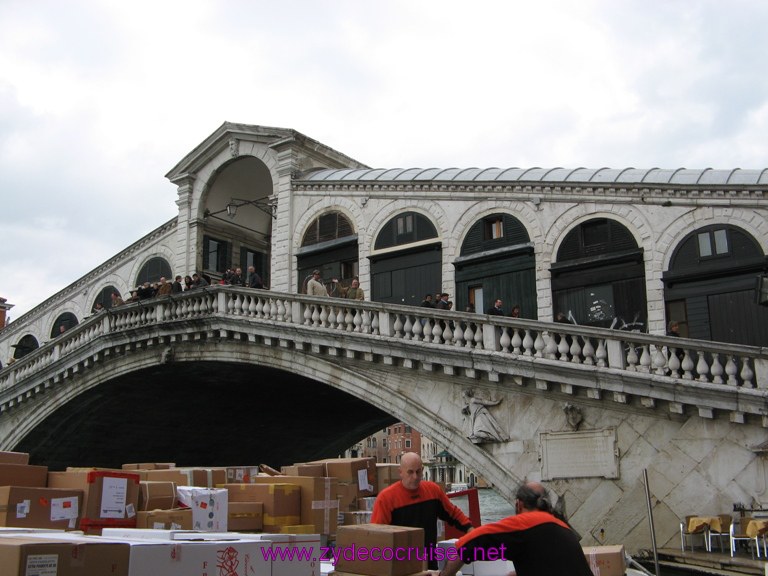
(227, 375)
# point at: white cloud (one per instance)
(98, 100)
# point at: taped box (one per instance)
(210, 507)
(606, 560)
(351, 540)
(28, 507)
(282, 502)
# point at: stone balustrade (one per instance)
(570, 351)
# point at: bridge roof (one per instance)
(652, 176)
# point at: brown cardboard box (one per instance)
(606, 560)
(354, 518)
(282, 502)
(387, 474)
(347, 493)
(353, 470)
(110, 497)
(384, 537)
(157, 495)
(150, 466)
(23, 475)
(244, 516)
(29, 507)
(319, 500)
(14, 458)
(204, 477)
(169, 475)
(303, 470)
(241, 474)
(176, 519)
(299, 529)
(21, 556)
(366, 504)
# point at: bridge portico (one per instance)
(565, 397)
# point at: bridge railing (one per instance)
(661, 356)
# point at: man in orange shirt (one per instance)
(417, 503)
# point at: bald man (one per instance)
(537, 542)
(417, 503)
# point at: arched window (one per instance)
(105, 297)
(25, 346)
(405, 228)
(63, 323)
(329, 226)
(152, 270)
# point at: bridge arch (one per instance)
(152, 266)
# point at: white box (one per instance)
(209, 507)
(308, 544)
(167, 557)
(479, 567)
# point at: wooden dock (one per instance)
(701, 562)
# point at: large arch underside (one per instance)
(203, 414)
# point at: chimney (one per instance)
(4, 307)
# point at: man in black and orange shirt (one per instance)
(417, 503)
(535, 540)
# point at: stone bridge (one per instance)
(586, 410)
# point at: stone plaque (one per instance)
(583, 454)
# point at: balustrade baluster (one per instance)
(673, 363)
(632, 358)
(551, 348)
(528, 344)
(504, 340)
(375, 323)
(645, 360)
(687, 365)
(479, 337)
(602, 353)
(702, 368)
(469, 335)
(563, 348)
(357, 320)
(427, 329)
(659, 361)
(315, 315)
(447, 333)
(408, 327)
(436, 332)
(516, 342)
(418, 329)
(589, 352)
(746, 373)
(731, 369)
(575, 350)
(458, 335)
(398, 326)
(717, 369)
(539, 344)
(349, 320)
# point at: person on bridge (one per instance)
(417, 503)
(254, 280)
(354, 292)
(496, 309)
(534, 539)
(315, 287)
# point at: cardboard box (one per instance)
(150, 466)
(304, 565)
(358, 470)
(351, 538)
(282, 502)
(110, 497)
(387, 474)
(157, 495)
(37, 554)
(209, 507)
(176, 519)
(354, 518)
(14, 457)
(366, 504)
(606, 560)
(303, 470)
(165, 557)
(204, 477)
(241, 474)
(298, 529)
(169, 475)
(347, 493)
(243, 516)
(26, 507)
(319, 500)
(23, 475)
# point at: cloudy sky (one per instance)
(100, 98)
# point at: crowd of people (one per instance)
(147, 290)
